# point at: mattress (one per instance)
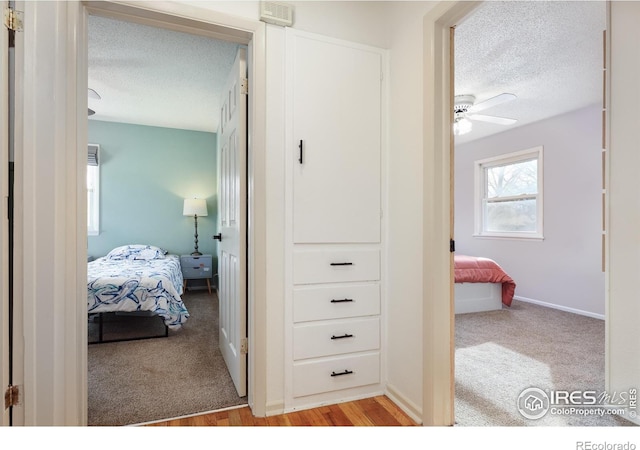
(124, 285)
(474, 269)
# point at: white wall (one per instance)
(357, 21)
(404, 215)
(363, 22)
(276, 216)
(564, 269)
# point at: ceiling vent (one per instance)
(276, 13)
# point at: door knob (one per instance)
(217, 236)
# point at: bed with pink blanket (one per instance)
(481, 284)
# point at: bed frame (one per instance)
(477, 297)
(99, 317)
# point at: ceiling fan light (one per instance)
(461, 125)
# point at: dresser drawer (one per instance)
(334, 266)
(335, 302)
(314, 377)
(314, 340)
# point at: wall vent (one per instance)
(276, 13)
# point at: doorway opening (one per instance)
(544, 312)
(177, 181)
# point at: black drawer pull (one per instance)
(342, 264)
(342, 337)
(301, 151)
(342, 300)
(337, 374)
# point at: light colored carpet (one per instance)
(141, 381)
(501, 353)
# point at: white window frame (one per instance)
(480, 193)
(93, 199)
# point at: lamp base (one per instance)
(196, 254)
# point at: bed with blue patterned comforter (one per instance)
(127, 285)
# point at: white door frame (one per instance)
(50, 214)
(4, 224)
(438, 311)
(49, 218)
(193, 19)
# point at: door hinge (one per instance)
(11, 396)
(452, 245)
(244, 86)
(244, 346)
(13, 19)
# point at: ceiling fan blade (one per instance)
(493, 101)
(93, 94)
(492, 119)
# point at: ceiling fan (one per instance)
(93, 94)
(465, 110)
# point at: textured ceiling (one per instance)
(152, 76)
(547, 53)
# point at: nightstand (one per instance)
(196, 268)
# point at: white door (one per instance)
(232, 249)
(4, 224)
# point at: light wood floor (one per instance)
(375, 411)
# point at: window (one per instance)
(93, 191)
(509, 195)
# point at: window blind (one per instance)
(93, 156)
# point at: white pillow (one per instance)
(136, 252)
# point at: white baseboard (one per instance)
(559, 307)
(404, 404)
(274, 409)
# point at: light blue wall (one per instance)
(145, 174)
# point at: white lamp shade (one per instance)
(194, 206)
